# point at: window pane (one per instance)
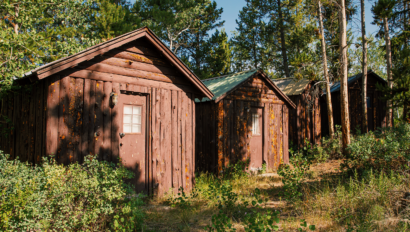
(127, 128)
(127, 118)
(136, 109)
(136, 119)
(255, 124)
(136, 128)
(127, 109)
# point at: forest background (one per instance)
(282, 37)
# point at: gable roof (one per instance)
(99, 49)
(292, 86)
(336, 86)
(224, 85)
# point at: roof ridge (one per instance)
(238, 73)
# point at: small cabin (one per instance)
(128, 99)
(305, 120)
(376, 106)
(247, 119)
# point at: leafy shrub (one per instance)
(237, 170)
(51, 197)
(292, 177)
(383, 150)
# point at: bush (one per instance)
(384, 150)
(292, 177)
(51, 197)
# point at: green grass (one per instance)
(331, 201)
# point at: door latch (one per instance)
(122, 135)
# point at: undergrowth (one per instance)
(79, 197)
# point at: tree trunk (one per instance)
(343, 77)
(326, 74)
(16, 25)
(364, 71)
(282, 41)
(389, 72)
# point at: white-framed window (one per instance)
(255, 124)
(132, 119)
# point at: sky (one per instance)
(231, 10)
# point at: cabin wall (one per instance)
(304, 122)
(376, 110)
(223, 128)
(22, 123)
(74, 117)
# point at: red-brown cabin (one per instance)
(128, 98)
(246, 119)
(305, 120)
(376, 106)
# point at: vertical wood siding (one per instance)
(223, 129)
(376, 111)
(69, 115)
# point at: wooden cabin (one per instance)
(246, 119)
(305, 120)
(129, 98)
(376, 107)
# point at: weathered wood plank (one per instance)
(139, 49)
(17, 124)
(193, 120)
(280, 135)
(115, 126)
(179, 141)
(85, 119)
(265, 141)
(188, 137)
(32, 125)
(106, 68)
(99, 120)
(137, 57)
(24, 132)
(219, 135)
(92, 119)
(101, 76)
(227, 111)
(53, 96)
(107, 121)
(174, 138)
(183, 138)
(166, 139)
(255, 99)
(64, 121)
(136, 65)
(39, 108)
(78, 117)
(285, 134)
(157, 141)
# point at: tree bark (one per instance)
(16, 25)
(282, 41)
(364, 71)
(389, 117)
(343, 77)
(326, 74)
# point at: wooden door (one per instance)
(133, 122)
(256, 134)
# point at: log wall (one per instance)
(376, 112)
(304, 122)
(69, 115)
(223, 129)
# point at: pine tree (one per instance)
(218, 60)
(344, 103)
(364, 69)
(383, 10)
(171, 19)
(248, 40)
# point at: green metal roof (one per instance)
(221, 85)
